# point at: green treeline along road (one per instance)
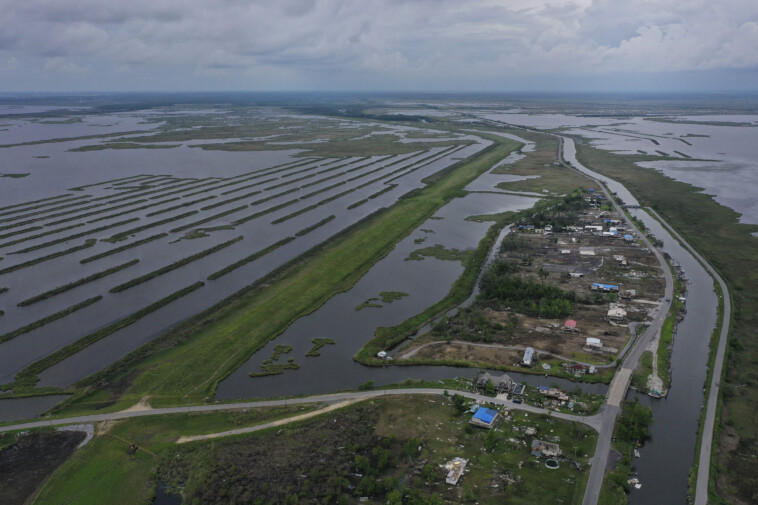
(187, 363)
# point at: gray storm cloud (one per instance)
(384, 43)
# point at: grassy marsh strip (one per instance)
(277, 195)
(381, 192)
(149, 180)
(295, 214)
(266, 211)
(357, 204)
(68, 213)
(78, 235)
(318, 166)
(312, 227)
(124, 234)
(289, 181)
(248, 186)
(39, 235)
(43, 205)
(16, 225)
(76, 283)
(248, 259)
(181, 205)
(19, 232)
(87, 244)
(207, 219)
(33, 202)
(422, 165)
(122, 248)
(160, 192)
(311, 207)
(174, 265)
(48, 319)
(81, 188)
(93, 213)
(29, 374)
(230, 200)
(322, 190)
(45, 211)
(148, 206)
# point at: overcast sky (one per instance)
(439, 45)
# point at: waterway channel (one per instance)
(665, 460)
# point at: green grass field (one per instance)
(104, 471)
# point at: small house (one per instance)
(569, 326)
(616, 315)
(565, 251)
(586, 251)
(594, 343)
(485, 418)
(606, 288)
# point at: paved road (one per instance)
(591, 421)
(706, 445)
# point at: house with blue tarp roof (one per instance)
(485, 418)
(608, 288)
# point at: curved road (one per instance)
(413, 352)
(591, 421)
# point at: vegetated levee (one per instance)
(93, 213)
(19, 232)
(207, 219)
(15, 206)
(181, 205)
(49, 319)
(40, 235)
(248, 320)
(41, 206)
(28, 376)
(122, 235)
(309, 229)
(174, 265)
(76, 283)
(88, 243)
(77, 235)
(121, 248)
(248, 259)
